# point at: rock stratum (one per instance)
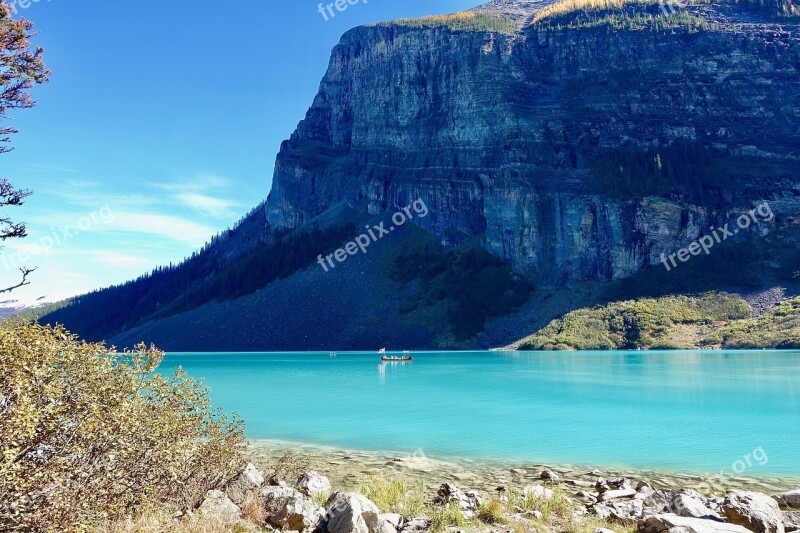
(575, 142)
(501, 133)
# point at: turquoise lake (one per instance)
(677, 411)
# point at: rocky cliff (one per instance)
(501, 132)
(576, 141)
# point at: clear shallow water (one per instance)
(681, 411)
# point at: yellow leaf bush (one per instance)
(89, 435)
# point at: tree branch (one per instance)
(25, 273)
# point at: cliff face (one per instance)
(500, 134)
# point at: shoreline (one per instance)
(347, 468)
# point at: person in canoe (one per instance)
(392, 358)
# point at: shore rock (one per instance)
(757, 512)
(377, 524)
(549, 476)
(469, 502)
(627, 512)
(691, 504)
(348, 513)
(393, 518)
(416, 524)
(248, 481)
(789, 499)
(791, 521)
(312, 483)
(670, 523)
(288, 508)
(617, 494)
(217, 504)
(537, 491)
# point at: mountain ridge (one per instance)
(541, 145)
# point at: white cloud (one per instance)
(118, 260)
(199, 182)
(162, 226)
(209, 205)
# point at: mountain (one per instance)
(560, 151)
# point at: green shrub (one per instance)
(493, 511)
(475, 285)
(778, 329)
(88, 435)
(646, 323)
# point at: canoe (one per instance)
(398, 359)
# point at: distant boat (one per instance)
(382, 350)
(396, 359)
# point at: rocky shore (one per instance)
(532, 498)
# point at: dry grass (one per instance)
(163, 522)
(288, 467)
(253, 509)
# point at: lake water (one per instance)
(677, 411)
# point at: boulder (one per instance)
(791, 522)
(348, 513)
(216, 504)
(377, 524)
(753, 510)
(393, 518)
(537, 491)
(659, 502)
(416, 524)
(469, 502)
(549, 476)
(311, 483)
(627, 512)
(617, 494)
(671, 523)
(789, 499)
(249, 480)
(619, 483)
(690, 503)
(288, 508)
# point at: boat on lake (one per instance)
(395, 358)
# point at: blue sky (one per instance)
(160, 126)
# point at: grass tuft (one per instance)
(393, 494)
(444, 516)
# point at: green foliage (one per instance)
(474, 284)
(204, 277)
(685, 167)
(778, 329)
(261, 266)
(89, 435)
(647, 323)
(778, 9)
(465, 21)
